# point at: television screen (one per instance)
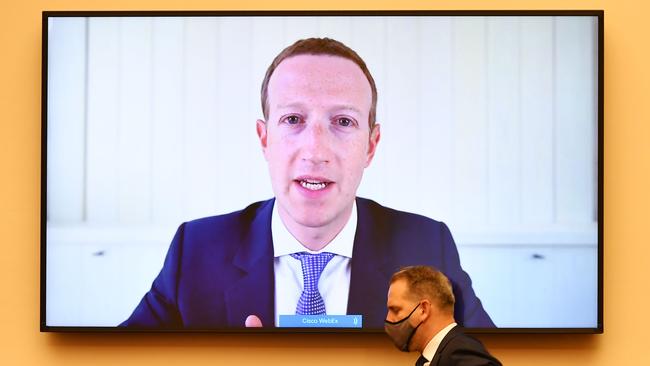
(229, 170)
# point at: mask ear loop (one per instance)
(408, 341)
(404, 318)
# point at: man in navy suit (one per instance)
(420, 318)
(249, 267)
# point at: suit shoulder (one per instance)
(235, 218)
(465, 349)
(228, 229)
(462, 340)
(392, 216)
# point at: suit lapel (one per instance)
(253, 293)
(369, 275)
(445, 341)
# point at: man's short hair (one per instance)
(426, 282)
(320, 46)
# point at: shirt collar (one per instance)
(284, 243)
(434, 343)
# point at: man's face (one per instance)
(402, 307)
(399, 303)
(316, 140)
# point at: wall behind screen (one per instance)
(626, 200)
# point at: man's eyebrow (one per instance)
(336, 107)
(290, 105)
(346, 107)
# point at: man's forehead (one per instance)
(332, 68)
(303, 77)
(398, 289)
(312, 60)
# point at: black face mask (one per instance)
(401, 331)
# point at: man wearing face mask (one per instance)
(421, 318)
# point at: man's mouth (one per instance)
(313, 184)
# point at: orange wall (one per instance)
(627, 212)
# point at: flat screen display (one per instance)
(218, 170)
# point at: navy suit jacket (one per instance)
(219, 269)
(457, 348)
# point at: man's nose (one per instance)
(390, 317)
(316, 143)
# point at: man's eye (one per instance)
(345, 122)
(292, 120)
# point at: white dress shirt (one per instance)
(434, 343)
(334, 283)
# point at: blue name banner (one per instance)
(320, 321)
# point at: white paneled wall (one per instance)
(504, 118)
(66, 109)
(488, 124)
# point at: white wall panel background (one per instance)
(167, 132)
(482, 118)
(504, 117)
(576, 168)
(488, 124)
(103, 123)
(67, 110)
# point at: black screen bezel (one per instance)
(599, 14)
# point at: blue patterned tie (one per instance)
(311, 302)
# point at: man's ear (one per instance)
(260, 126)
(375, 135)
(426, 310)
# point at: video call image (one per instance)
(224, 172)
